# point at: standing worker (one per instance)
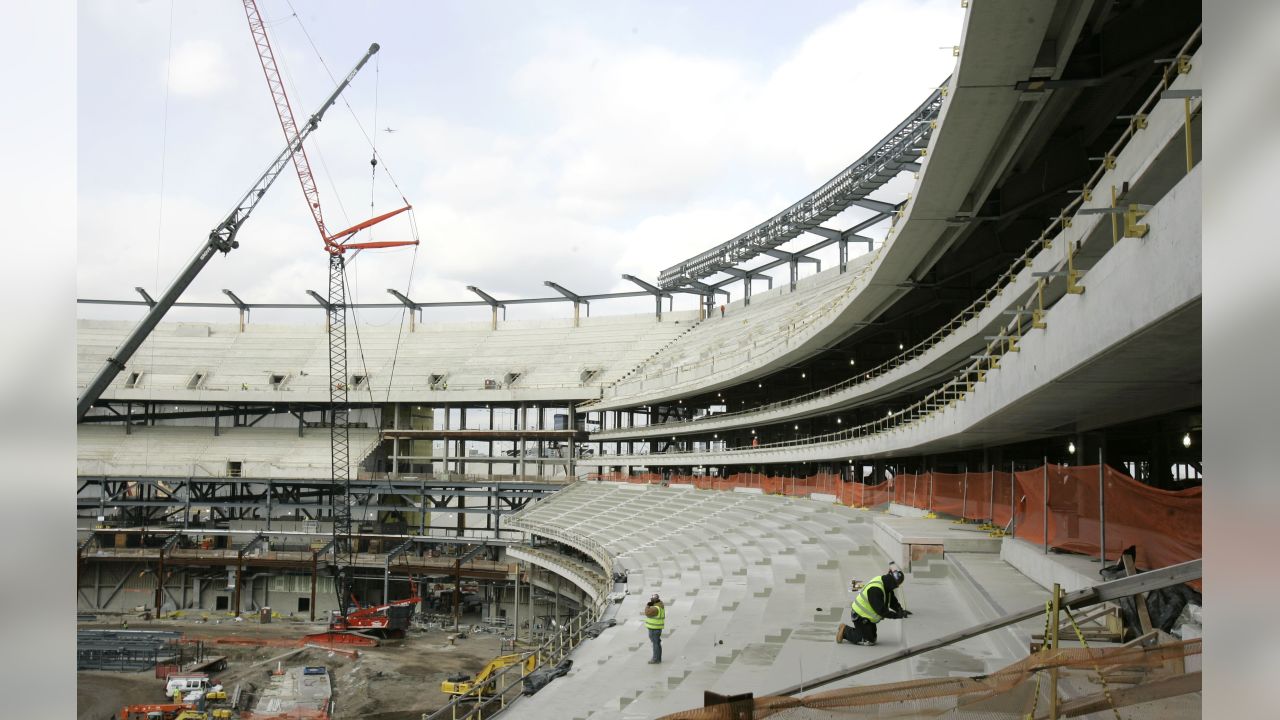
(873, 603)
(655, 618)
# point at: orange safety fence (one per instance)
(1164, 525)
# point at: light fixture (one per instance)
(795, 427)
(838, 421)
(802, 376)
(1071, 448)
(900, 346)
(851, 361)
(1186, 440)
(887, 413)
(716, 436)
(759, 385)
(753, 431)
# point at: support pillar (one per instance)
(313, 588)
(515, 609)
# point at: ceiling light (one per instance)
(795, 427)
(850, 362)
(1071, 447)
(802, 376)
(753, 431)
(838, 421)
(899, 346)
(1186, 440)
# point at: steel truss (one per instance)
(897, 151)
(183, 501)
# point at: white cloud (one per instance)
(605, 160)
(199, 68)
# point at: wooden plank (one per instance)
(1140, 599)
(1156, 690)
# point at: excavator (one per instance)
(482, 683)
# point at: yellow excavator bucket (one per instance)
(462, 685)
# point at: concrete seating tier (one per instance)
(545, 354)
(754, 586)
(769, 320)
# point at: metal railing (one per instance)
(496, 693)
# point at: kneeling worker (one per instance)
(873, 603)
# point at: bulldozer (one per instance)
(482, 683)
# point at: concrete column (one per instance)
(531, 615)
(395, 442)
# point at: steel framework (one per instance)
(897, 151)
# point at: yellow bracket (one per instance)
(1140, 121)
(1065, 221)
(955, 51)
(1086, 194)
(930, 515)
(1109, 161)
(933, 124)
(1046, 242)
(1132, 228)
(1037, 315)
(1184, 64)
(1073, 276)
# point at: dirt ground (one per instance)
(398, 680)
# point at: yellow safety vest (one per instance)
(657, 622)
(862, 604)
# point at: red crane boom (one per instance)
(336, 309)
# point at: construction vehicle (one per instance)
(350, 626)
(482, 683)
(367, 624)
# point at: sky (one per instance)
(563, 141)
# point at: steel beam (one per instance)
(657, 292)
(493, 305)
(576, 298)
(241, 305)
(413, 307)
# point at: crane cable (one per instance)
(413, 225)
(164, 155)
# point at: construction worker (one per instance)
(873, 603)
(655, 618)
